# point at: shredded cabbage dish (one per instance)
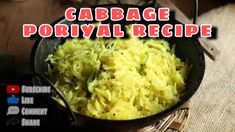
(118, 79)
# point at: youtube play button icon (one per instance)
(13, 89)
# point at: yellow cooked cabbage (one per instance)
(118, 79)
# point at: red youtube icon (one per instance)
(13, 89)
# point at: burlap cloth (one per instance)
(213, 107)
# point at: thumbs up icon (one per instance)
(13, 100)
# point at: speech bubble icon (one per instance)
(13, 110)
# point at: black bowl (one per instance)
(186, 49)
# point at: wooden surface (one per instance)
(14, 14)
(205, 5)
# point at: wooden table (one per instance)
(14, 14)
